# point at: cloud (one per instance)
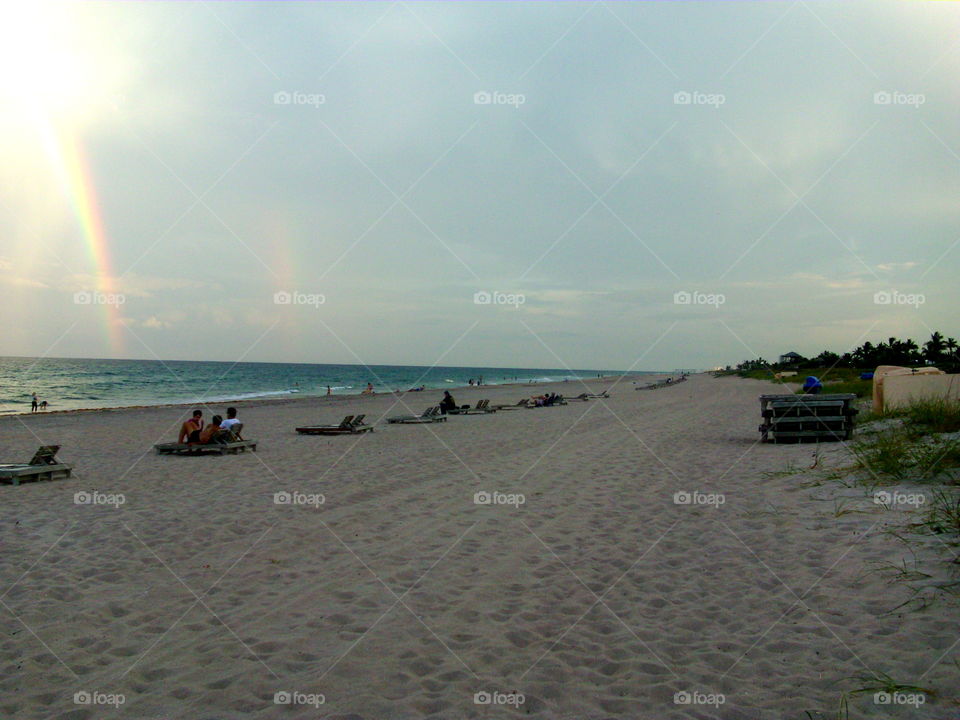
(156, 323)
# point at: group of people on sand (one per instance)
(36, 403)
(195, 432)
(547, 400)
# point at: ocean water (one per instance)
(73, 383)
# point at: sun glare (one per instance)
(40, 69)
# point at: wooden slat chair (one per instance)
(350, 425)
(807, 418)
(42, 466)
(430, 415)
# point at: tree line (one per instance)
(938, 351)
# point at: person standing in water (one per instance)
(329, 392)
(33, 402)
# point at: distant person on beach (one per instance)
(369, 390)
(210, 433)
(33, 403)
(231, 419)
(190, 430)
(329, 391)
(43, 404)
(448, 403)
(812, 385)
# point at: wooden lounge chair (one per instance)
(214, 448)
(481, 408)
(523, 402)
(350, 425)
(430, 415)
(42, 466)
(560, 400)
(807, 418)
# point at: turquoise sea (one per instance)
(72, 383)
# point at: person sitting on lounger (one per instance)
(231, 419)
(448, 403)
(190, 430)
(212, 432)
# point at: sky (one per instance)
(616, 185)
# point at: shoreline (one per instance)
(342, 397)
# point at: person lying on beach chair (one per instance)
(190, 430)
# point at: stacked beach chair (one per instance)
(807, 418)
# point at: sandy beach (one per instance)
(586, 588)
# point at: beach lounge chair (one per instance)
(481, 408)
(227, 443)
(582, 396)
(42, 466)
(807, 418)
(523, 402)
(558, 401)
(430, 415)
(350, 425)
(234, 432)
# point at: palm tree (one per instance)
(934, 347)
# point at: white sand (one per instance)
(400, 597)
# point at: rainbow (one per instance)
(76, 180)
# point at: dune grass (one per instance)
(942, 515)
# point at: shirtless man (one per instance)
(190, 430)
